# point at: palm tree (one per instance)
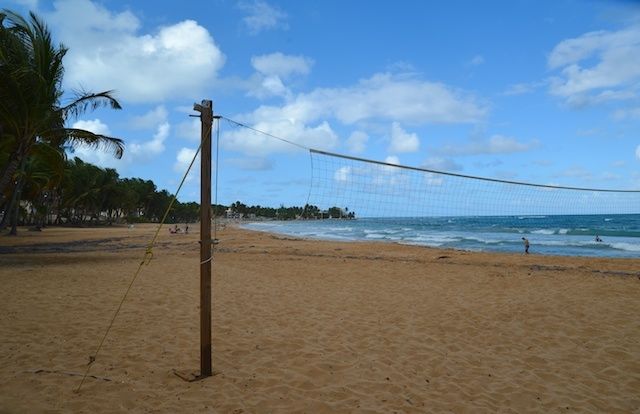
(31, 74)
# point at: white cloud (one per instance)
(151, 119)
(320, 136)
(523, 88)
(392, 159)
(357, 142)
(638, 152)
(96, 126)
(497, 144)
(148, 149)
(102, 159)
(262, 16)
(405, 99)
(402, 141)
(610, 66)
(381, 97)
(390, 176)
(269, 86)
(441, 164)
(107, 52)
(272, 70)
(342, 174)
(183, 159)
(191, 129)
(278, 64)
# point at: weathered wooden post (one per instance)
(206, 119)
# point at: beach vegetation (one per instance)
(35, 112)
(72, 192)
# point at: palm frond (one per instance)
(88, 100)
(80, 137)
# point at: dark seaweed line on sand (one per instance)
(69, 247)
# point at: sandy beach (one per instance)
(305, 326)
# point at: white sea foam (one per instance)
(629, 247)
(543, 231)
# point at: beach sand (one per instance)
(312, 327)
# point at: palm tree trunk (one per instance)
(8, 172)
(14, 208)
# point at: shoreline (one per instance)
(349, 239)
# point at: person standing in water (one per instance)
(526, 245)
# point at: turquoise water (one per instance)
(551, 235)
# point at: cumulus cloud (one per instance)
(151, 119)
(134, 152)
(261, 16)
(191, 129)
(387, 96)
(523, 88)
(357, 142)
(320, 136)
(402, 141)
(597, 66)
(382, 97)
(96, 126)
(148, 149)
(108, 52)
(100, 158)
(281, 65)
(392, 159)
(497, 144)
(183, 159)
(342, 174)
(273, 70)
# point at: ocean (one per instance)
(573, 235)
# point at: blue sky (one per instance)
(536, 91)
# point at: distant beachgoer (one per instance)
(186, 229)
(526, 245)
(598, 239)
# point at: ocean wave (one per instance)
(543, 231)
(628, 247)
(432, 239)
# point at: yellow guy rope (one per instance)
(146, 259)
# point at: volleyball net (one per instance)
(369, 188)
